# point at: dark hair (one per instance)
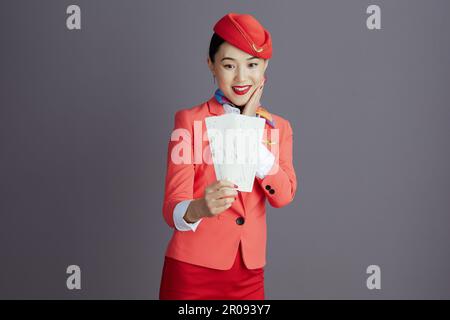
(214, 45)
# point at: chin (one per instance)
(239, 102)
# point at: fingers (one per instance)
(222, 202)
(219, 196)
(220, 205)
(223, 208)
(257, 93)
(216, 206)
(224, 192)
(261, 87)
(218, 185)
(253, 102)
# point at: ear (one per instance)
(210, 65)
(266, 64)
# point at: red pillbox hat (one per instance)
(246, 33)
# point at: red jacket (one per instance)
(215, 242)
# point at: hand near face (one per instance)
(254, 101)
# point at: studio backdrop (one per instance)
(88, 93)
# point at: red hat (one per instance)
(246, 33)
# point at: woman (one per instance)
(218, 248)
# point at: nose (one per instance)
(240, 75)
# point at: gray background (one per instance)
(86, 116)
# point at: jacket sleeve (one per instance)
(180, 172)
(178, 214)
(280, 184)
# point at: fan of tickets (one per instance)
(234, 140)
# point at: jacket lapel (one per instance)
(215, 107)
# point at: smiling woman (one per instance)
(218, 247)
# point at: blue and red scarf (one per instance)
(260, 111)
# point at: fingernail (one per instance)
(235, 186)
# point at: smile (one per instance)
(241, 90)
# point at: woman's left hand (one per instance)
(253, 103)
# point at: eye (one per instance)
(228, 66)
(253, 65)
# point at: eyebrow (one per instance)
(235, 59)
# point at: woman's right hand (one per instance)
(219, 196)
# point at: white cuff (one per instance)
(178, 214)
(266, 160)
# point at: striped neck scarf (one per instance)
(260, 111)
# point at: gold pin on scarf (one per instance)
(269, 142)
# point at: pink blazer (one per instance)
(215, 242)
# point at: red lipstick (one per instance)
(241, 90)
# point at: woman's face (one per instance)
(238, 73)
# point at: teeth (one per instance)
(241, 89)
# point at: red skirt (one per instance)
(185, 281)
